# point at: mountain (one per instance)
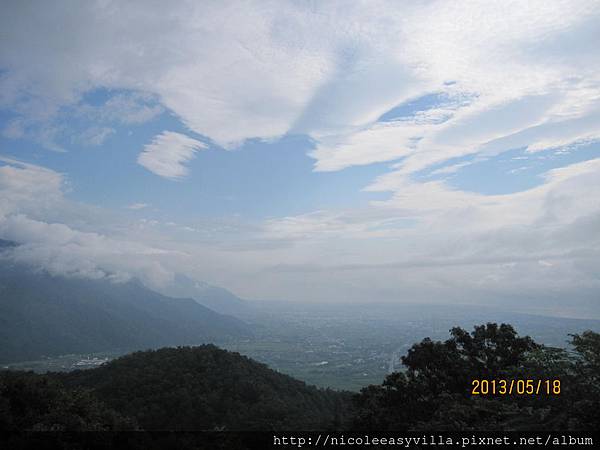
(213, 297)
(42, 314)
(194, 388)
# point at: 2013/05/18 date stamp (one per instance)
(515, 387)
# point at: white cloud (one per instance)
(94, 136)
(27, 187)
(73, 239)
(432, 242)
(456, 246)
(515, 78)
(127, 108)
(137, 206)
(168, 153)
(512, 74)
(235, 71)
(453, 168)
(35, 213)
(62, 250)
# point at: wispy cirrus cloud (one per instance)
(324, 71)
(168, 153)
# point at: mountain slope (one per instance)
(205, 387)
(42, 314)
(213, 297)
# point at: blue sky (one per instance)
(279, 174)
(295, 152)
(258, 180)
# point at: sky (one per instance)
(441, 152)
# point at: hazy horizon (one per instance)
(309, 152)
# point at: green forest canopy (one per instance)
(192, 388)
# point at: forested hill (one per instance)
(192, 388)
(45, 315)
(205, 388)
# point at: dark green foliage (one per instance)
(205, 388)
(435, 390)
(587, 345)
(38, 403)
(192, 388)
(586, 393)
(489, 351)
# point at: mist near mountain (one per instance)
(44, 315)
(213, 297)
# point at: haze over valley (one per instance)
(232, 214)
(53, 323)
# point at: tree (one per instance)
(434, 391)
(38, 403)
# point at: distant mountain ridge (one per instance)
(45, 315)
(216, 298)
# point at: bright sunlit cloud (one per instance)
(443, 150)
(167, 154)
